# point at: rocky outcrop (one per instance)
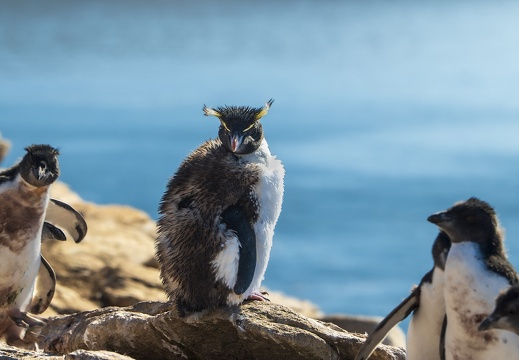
(256, 330)
(102, 309)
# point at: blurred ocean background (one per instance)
(385, 112)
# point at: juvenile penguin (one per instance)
(427, 306)
(477, 269)
(506, 312)
(218, 214)
(24, 195)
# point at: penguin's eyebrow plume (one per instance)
(265, 109)
(211, 112)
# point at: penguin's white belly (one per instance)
(269, 194)
(18, 271)
(470, 292)
(423, 334)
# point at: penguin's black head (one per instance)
(506, 314)
(470, 220)
(440, 250)
(240, 130)
(40, 167)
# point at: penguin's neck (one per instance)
(261, 155)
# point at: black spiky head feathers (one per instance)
(240, 130)
(40, 166)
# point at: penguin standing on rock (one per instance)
(218, 214)
(24, 196)
(476, 270)
(427, 306)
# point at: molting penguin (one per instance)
(476, 270)
(428, 308)
(24, 195)
(218, 214)
(506, 313)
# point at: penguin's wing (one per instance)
(66, 217)
(235, 219)
(398, 314)
(44, 288)
(442, 338)
(50, 232)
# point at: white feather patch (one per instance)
(269, 192)
(226, 261)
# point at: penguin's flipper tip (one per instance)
(393, 318)
(51, 232)
(44, 289)
(63, 215)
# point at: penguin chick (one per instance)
(218, 214)
(506, 312)
(477, 269)
(426, 304)
(24, 195)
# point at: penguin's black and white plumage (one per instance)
(476, 271)
(506, 312)
(427, 306)
(218, 214)
(24, 196)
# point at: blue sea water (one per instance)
(385, 113)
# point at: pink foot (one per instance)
(258, 296)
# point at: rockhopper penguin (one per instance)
(477, 269)
(427, 306)
(24, 196)
(218, 214)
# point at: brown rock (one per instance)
(365, 325)
(256, 330)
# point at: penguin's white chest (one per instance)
(269, 194)
(470, 292)
(423, 334)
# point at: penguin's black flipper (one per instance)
(235, 219)
(442, 338)
(406, 307)
(50, 232)
(44, 288)
(66, 217)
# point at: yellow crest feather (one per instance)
(211, 112)
(264, 110)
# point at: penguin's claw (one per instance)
(258, 296)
